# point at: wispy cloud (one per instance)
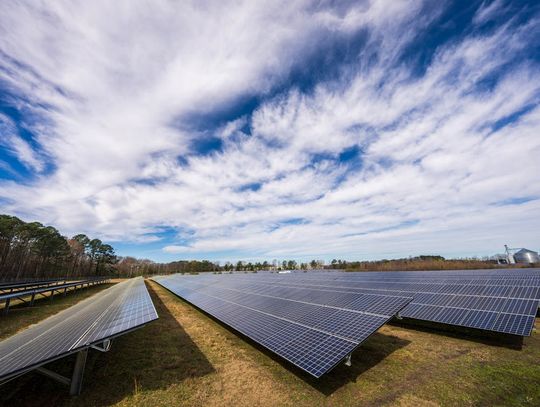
(488, 10)
(351, 129)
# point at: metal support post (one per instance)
(78, 371)
(6, 306)
(75, 383)
(53, 375)
(348, 360)
(105, 346)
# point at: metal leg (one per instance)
(78, 371)
(32, 300)
(348, 360)
(53, 375)
(105, 346)
(6, 306)
(75, 383)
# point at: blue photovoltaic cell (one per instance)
(513, 324)
(312, 328)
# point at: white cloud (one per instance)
(117, 86)
(487, 11)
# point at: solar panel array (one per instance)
(503, 301)
(313, 329)
(56, 287)
(17, 285)
(314, 320)
(112, 312)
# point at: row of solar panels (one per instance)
(21, 288)
(15, 285)
(504, 273)
(512, 276)
(507, 309)
(315, 320)
(27, 294)
(312, 336)
(90, 323)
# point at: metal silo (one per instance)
(526, 256)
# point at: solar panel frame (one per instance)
(501, 289)
(50, 288)
(242, 311)
(24, 284)
(86, 336)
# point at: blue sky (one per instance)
(245, 130)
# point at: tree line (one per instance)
(131, 266)
(31, 250)
(423, 262)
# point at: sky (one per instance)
(250, 130)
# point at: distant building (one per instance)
(499, 258)
(518, 255)
(526, 256)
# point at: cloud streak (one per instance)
(325, 133)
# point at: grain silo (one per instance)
(526, 256)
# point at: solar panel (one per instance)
(481, 299)
(50, 288)
(313, 329)
(14, 285)
(110, 313)
(505, 303)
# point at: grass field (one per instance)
(187, 358)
